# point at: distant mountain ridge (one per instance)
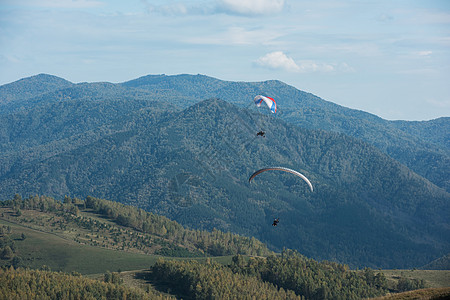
(167, 151)
(408, 142)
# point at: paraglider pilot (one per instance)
(261, 133)
(275, 222)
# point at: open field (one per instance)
(62, 254)
(432, 278)
(41, 248)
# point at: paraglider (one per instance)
(285, 170)
(261, 133)
(269, 101)
(275, 222)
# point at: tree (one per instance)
(7, 253)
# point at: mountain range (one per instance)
(184, 146)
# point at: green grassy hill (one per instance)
(59, 253)
(42, 231)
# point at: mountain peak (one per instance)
(163, 80)
(29, 87)
(45, 79)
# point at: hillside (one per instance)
(442, 263)
(93, 236)
(193, 166)
(422, 146)
(93, 227)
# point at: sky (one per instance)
(387, 57)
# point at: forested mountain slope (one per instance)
(422, 146)
(193, 166)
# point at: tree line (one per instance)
(194, 280)
(289, 275)
(286, 276)
(43, 284)
(215, 243)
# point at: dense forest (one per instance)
(286, 276)
(192, 280)
(153, 143)
(43, 284)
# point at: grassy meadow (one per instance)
(59, 252)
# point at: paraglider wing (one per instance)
(285, 170)
(269, 101)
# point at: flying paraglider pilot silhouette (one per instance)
(275, 222)
(261, 133)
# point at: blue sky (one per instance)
(387, 57)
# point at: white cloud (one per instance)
(252, 7)
(278, 60)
